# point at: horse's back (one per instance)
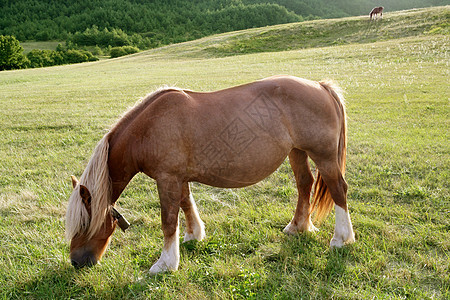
(280, 108)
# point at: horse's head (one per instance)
(88, 244)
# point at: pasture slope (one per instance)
(397, 92)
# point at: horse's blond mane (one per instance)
(96, 178)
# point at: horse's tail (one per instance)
(322, 202)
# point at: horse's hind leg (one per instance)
(331, 174)
(195, 229)
(302, 218)
(170, 191)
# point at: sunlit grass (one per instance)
(48, 45)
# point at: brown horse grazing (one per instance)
(230, 138)
(375, 11)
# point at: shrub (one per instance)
(131, 49)
(117, 52)
(97, 50)
(40, 58)
(89, 55)
(11, 56)
(45, 58)
(121, 51)
(75, 56)
(57, 57)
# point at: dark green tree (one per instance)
(11, 56)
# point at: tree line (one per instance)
(12, 57)
(161, 21)
(170, 21)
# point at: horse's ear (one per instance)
(74, 181)
(85, 195)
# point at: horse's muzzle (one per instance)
(87, 260)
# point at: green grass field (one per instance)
(397, 93)
(50, 45)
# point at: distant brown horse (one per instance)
(230, 138)
(375, 11)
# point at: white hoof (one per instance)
(198, 233)
(161, 267)
(157, 268)
(293, 230)
(339, 242)
(170, 257)
(343, 232)
(312, 228)
(290, 229)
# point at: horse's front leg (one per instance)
(170, 194)
(195, 229)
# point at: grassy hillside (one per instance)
(397, 170)
(318, 33)
(415, 22)
(338, 32)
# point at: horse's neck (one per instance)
(122, 164)
(121, 168)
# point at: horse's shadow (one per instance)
(52, 283)
(61, 283)
(315, 264)
(337, 261)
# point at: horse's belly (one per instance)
(221, 166)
